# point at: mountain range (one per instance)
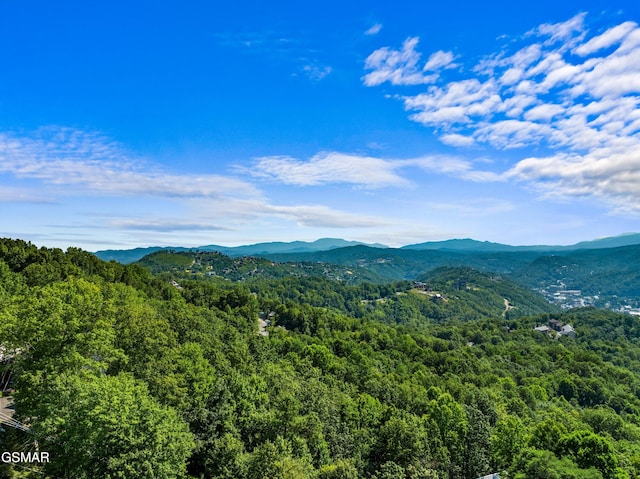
(593, 273)
(327, 244)
(258, 249)
(471, 245)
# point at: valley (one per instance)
(601, 273)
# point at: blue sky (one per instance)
(128, 124)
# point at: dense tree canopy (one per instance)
(120, 374)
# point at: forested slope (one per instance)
(609, 275)
(213, 265)
(120, 374)
(453, 292)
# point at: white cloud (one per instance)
(323, 216)
(509, 134)
(566, 33)
(616, 75)
(317, 72)
(74, 161)
(238, 213)
(438, 60)
(374, 30)
(610, 37)
(544, 112)
(163, 225)
(520, 60)
(10, 194)
(511, 76)
(456, 103)
(561, 87)
(399, 67)
(612, 178)
(455, 139)
(448, 165)
(515, 105)
(362, 171)
(330, 167)
(62, 164)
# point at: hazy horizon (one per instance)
(130, 126)
(369, 244)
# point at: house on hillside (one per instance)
(495, 475)
(567, 330)
(556, 329)
(543, 329)
(437, 297)
(556, 324)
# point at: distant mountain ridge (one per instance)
(276, 247)
(471, 245)
(465, 245)
(475, 246)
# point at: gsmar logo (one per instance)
(32, 457)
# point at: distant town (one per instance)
(559, 294)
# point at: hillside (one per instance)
(607, 277)
(320, 285)
(494, 295)
(393, 264)
(111, 359)
(214, 265)
(600, 273)
(603, 277)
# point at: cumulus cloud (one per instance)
(611, 37)
(439, 60)
(612, 178)
(455, 103)
(560, 86)
(399, 67)
(544, 112)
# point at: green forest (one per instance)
(161, 370)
